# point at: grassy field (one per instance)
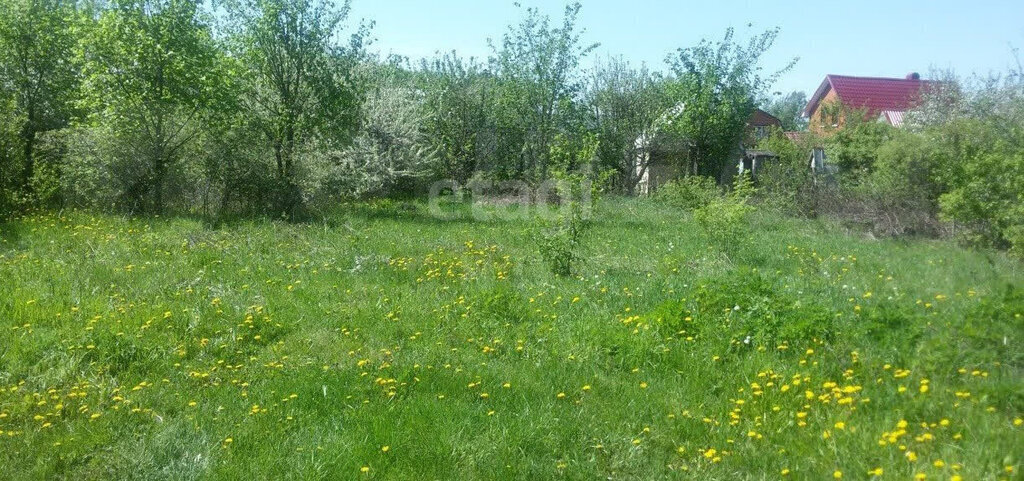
(385, 343)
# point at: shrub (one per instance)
(854, 149)
(559, 243)
(690, 193)
(785, 184)
(725, 221)
(988, 203)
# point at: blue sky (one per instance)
(854, 37)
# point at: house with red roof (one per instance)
(886, 99)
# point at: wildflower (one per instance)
(837, 474)
(385, 449)
(364, 469)
(876, 472)
(784, 472)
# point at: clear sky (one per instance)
(853, 37)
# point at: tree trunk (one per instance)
(159, 172)
(29, 166)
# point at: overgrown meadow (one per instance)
(386, 343)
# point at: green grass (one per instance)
(163, 348)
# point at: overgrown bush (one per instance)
(691, 192)
(725, 220)
(854, 148)
(579, 185)
(989, 202)
(559, 242)
(785, 183)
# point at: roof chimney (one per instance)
(913, 76)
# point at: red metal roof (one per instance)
(874, 94)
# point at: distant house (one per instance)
(759, 126)
(886, 99)
(660, 154)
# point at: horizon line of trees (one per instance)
(273, 106)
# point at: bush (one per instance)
(559, 243)
(785, 184)
(988, 203)
(690, 193)
(725, 221)
(854, 149)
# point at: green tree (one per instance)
(718, 82)
(151, 73)
(854, 148)
(457, 94)
(538, 84)
(300, 83)
(36, 68)
(626, 105)
(789, 109)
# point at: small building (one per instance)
(759, 126)
(660, 154)
(886, 99)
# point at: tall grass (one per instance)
(386, 343)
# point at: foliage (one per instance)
(789, 109)
(691, 192)
(535, 96)
(717, 83)
(9, 156)
(456, 124)
(560, 242)
(38, 76)
(626, 105)
(151, 73)
(854, 148)
(300, 84)
(579, 188)
(988, 201)
(725, 221)
(391, 154)
(785, 183)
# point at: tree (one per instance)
(625, 106)
(538, 85)
(36, 44)
(391, 154)
(789, 109)
(300, 84)
(718, 82)
(457, 95)
(151, 73)
(854, 148)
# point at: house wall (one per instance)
(819, 121)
